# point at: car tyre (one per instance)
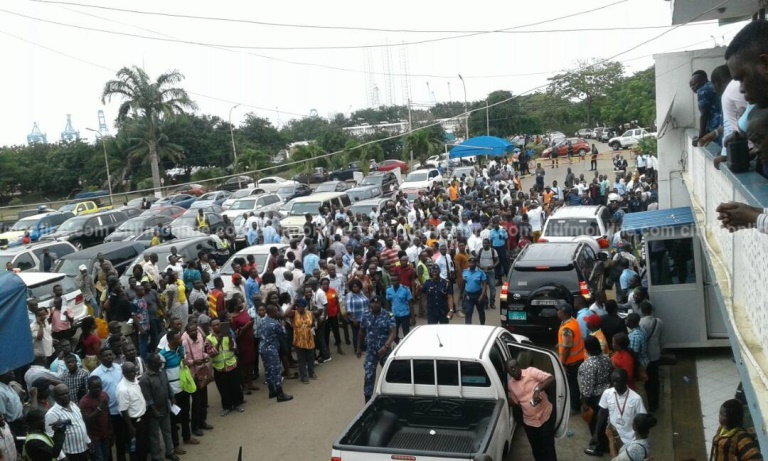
(615, 146)
(582, 152)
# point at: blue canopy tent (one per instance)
(15, 335)
(482, 145)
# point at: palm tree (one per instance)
(152, 103)
(423, 143)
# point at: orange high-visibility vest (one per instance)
(577, 352)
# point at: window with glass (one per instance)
(671, 262)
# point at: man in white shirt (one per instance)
(413, 251)
(445, 263)
(475, 242)
(536, 220)
(132, 406)
(619, 405)
(76, 442)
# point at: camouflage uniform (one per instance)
(269, 348)
(377, 328)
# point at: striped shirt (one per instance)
(734, 445)
(76, 440)
(172, 361)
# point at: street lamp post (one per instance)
(466, 113)
(106, 162)
(234, 146)
(487, 119)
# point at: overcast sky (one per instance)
(61, 70)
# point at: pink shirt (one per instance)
(56, 323)
(521, 392)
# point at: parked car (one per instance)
(630, 138)
(291, 191)
(543, 276)
(390, 165)
(385, 180)
(584, 133)
(317, 175)
(211, 198)
(256, 204)
(363, 193)
(30, 257)
(188, 189)
(40, 286)
(136, 226)
(89, 230)
(180, 200)
(597, 132)
(120, 254)
(364, 207)
(295, 210)
(443, 395)
(85, 207)
(240, 193)
(38, 225)
(189, 219)
(261, 256)
(462, 171)
(138, 202)
(411, 193)
(172, 211)
(332, 186)
(346, 174)
(580, 148)
(272, 183)
(188, 249)
(235, 183)
(588, 221)
(422, 179)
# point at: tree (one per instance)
(139, 151)
(305, 129)
(259, 133)
(631, 98)
(153, 102)
(309, 157)
(423, 143)
(588, 82)
(502, 120)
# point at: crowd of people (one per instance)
(139, 370)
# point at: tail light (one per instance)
(584, 289)
(541, 240)
(602, 241)
(79, 299)
(504, 291)
(335, 458)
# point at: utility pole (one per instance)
(410, 126)
(487, 119)
(234, 147)
(466, 113)
(106, 162)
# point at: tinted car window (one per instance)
(24, 262)
(120, 256)
(572, 227)
(57, 219)
(345, 201)
(61, 250)
(525, 279)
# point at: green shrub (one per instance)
(15, 202)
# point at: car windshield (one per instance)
(243, 205)
(371, 181)
(208, 196)
(24, 224)
(67, 207)
(261, 263)
(44, 292)
(300, 208)
(326, 188)
(417, 176)
(286, 190)
(458, 172)
(241, 193)
(362, 209)
(411, 194)
(572, 227)
(185, 221)
(529, 279)
(132, 225)
(73, 224)
(358, 194)
(70, 265)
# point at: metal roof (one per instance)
(446, 341)
(647, 220)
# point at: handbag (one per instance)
(185, 378)
(203, 374)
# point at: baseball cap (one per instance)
(83, 267)
(593, 321)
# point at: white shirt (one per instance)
(474, 244)
(45, 346)
(7, 444)
(445, 264)
(622, 410)
(319, 300)
(413, 253)
(130, 398)
(536, 219)
(76, 440)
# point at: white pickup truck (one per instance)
(629, 138)
(442, 395)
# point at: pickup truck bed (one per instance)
(427, 425)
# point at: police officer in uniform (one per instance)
(378, 330)
(439, 295)
(269, 348)
(38, 445)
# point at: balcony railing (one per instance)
(740, 262)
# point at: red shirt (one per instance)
(99, 428)
(91, 344)
(511, 229)
(332, 308)
(406, 275)
(623, 360)
(390, 254)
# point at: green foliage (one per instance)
(537, 149)
(206, 174)
(15, 202)
(588, 82)
(631, 98)
(423, 143)
(259, 133)
(504, 120)
(648, 146)
(305, 129)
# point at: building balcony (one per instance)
(684, 11)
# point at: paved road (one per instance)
(306, 427)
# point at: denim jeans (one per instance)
(468, 305)
(100, 450)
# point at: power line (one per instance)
(351, 28)
(286, 48)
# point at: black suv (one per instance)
(386, 180)
(543, 276)
(88, 230)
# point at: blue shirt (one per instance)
(708, 99)
(437, 295)
(376, 329)
(271, 333)
(110, 378)
(252, 236)
(498, 237)
(251, 290)
(311, 262)
(581, 317)
(473, 280)
(399, 300)
(270, 235)
(626, 276)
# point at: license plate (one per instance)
(545, 302)
(516, 315)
